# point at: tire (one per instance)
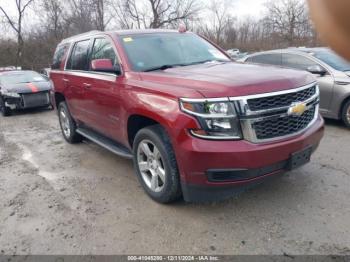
(5, 111)
(161, 163)
(346, 114)
(68, 125)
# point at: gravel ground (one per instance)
(57, 198)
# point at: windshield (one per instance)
(333, 60)
(161, 51)
(21, 77)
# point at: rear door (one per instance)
(326, 82)
(76, 78)
(102, 99)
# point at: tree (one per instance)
(288, 18)
(154, 13)
(102, 18)
(53, 18)
(16, 24)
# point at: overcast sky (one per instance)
(239, 9)
(248, 7)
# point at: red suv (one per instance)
(195, 123)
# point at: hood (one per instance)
(342, 77)
(24, 88)
(230, 79)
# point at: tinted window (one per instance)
(103, 49)
(269, 59)
(79, 56)
(149, 51)
(58, 56)
(297, 61)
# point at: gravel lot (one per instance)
(57, 198)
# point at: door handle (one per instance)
(65, 80)
(86, 85)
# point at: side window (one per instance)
(269, 59)
(58, 56)
(297, 61)
(103, 49)
(79, 57)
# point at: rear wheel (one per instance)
(346, 114)
(5, 111)
(155, 164)
(68, 125)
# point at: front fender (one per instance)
(163, 109)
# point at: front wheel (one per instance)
(155, 164)
(346, 114)
(4, 110)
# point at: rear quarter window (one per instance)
(59, 56)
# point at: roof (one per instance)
(120, 33)
(143, 31)
(294, 49)
(10, 72)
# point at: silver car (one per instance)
(332, 72)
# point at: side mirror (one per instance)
(317, 70)
(105, 65)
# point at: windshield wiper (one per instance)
(165, 67)
(206, 61)
(162, 67)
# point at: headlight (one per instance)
(11, 94)
(218, 118)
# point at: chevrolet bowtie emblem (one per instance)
(297, 109)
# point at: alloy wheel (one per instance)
(64, 120)
(151, 165)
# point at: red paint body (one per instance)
(106, 102)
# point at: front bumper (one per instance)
(198, 159)
(28, 100)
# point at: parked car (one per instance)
(195, 123)
(333, 75)
(23, 89)
(233, 52)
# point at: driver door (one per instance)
(102, 99)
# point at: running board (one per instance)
(105, 142)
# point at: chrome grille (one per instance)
(36, 99)
(282, 126)
(267, 117)
(283, 100)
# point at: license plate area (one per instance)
(300, 158)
